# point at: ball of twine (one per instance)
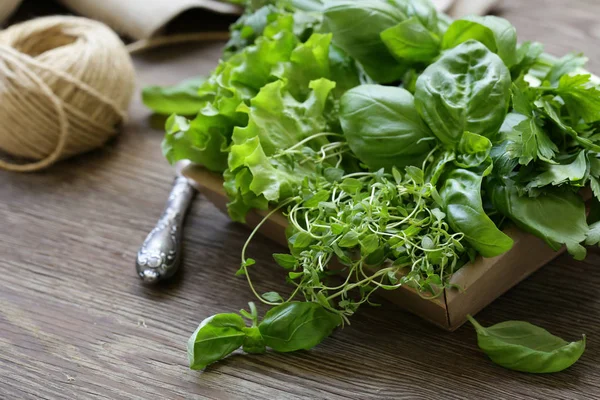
(65, 84)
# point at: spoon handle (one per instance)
(160, 254)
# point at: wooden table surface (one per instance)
(75, 322)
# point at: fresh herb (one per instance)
(287, 327)
(398, 143)
(182, 99)
(524, 347)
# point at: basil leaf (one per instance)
(253, 341)
(521, 346)
(463, 30)
(215, 338)
(557, 218)
(382, 126)
(182, 99)
(461, 195)
(356, 27)
(297, 326)
(505, 36)
(472, 150)
(467, 89)
(411, 41)
(423, 10)
(497, 34)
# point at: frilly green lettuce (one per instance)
(258, 169)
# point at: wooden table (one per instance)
(75, 322)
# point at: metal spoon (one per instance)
(160, 254)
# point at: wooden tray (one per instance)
(483, 281)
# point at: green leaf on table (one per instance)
(383, 127)
(215, 338)
(253, 341)
(297, 326)
(182, 99)
(356, 27)
(454, 94)
(411, 41)
(524, 347)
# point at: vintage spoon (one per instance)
(160, 254)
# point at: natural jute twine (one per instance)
(65, 85)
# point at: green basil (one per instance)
(497, 34)
(521, 346)
(356, 27)
(382, 126)
(423, 10)
(461, 195)
(253, 341)
(467, 89)
(215, 338)
(297, 326)
(411, 41)
(463, 30)
(472, 150)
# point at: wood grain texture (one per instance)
(75, 323)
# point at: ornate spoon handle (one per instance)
(160, 254)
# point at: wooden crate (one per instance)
(482, 281)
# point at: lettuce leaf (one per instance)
(258, 171)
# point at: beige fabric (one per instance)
(7, 7)
(142, 19)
